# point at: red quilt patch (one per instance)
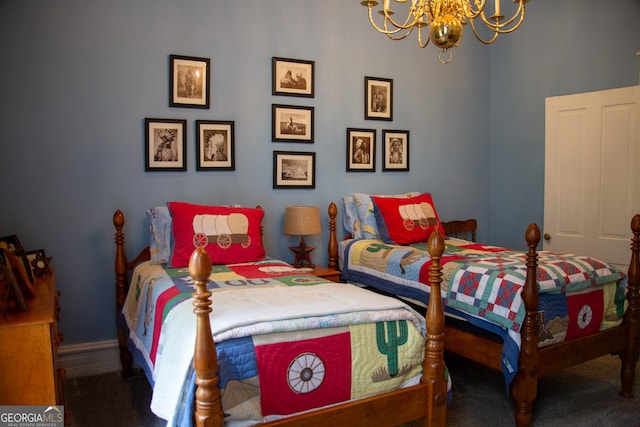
(585, 313)
(300, 375)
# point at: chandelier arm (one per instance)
(409, 23)
(472, 13)
(502, 26)
(402, 36)
(420, 42)
(487, 41)
(384, 30)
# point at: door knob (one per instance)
(547, 236)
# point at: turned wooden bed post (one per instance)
(525, 384)
(629, 356)
(120, 267)
(433, 366)
(332, 248)
(208, 411)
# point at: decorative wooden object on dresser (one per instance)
(28, 351)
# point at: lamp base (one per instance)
(302, 252)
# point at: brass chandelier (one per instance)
(445, 19)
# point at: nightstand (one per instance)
(326, 273)
(30, 341)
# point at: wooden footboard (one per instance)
(424, 403)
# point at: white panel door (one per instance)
(592, 173)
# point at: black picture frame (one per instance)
(12, 243)
(215, 145)
(378, 98)
(294, 169)
(361, 150)
(292, 77)
(395, 150)
(13, 288)
(16, 262)
(165, 144)
(291, 123)
(189, 81)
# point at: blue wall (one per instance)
(78, 77)
(564, 47)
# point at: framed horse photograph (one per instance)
(292, 123)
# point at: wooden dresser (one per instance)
(28, 345)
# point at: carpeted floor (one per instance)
(586, 395)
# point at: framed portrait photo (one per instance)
(294, 169)
(189, 79)
(165, 144)
(291, 123)
(292, 77)
(215, 148)
(378, 98)
(395, 150)
(361, 150)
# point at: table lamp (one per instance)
(302, 221)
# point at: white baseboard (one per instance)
(93, 358)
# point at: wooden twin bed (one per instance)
(376, 261)
(425, 402)
(535, 362)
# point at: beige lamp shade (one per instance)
(302, 220)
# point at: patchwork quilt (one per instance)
(286, 342)
(483, 284)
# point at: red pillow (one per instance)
(229, 235)
(406, 221)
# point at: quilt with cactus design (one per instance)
(286, 342)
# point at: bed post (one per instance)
(120, 268)
(208, 411)
(629, 356)
(525, 384)
(433, 366)
(332, 249)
